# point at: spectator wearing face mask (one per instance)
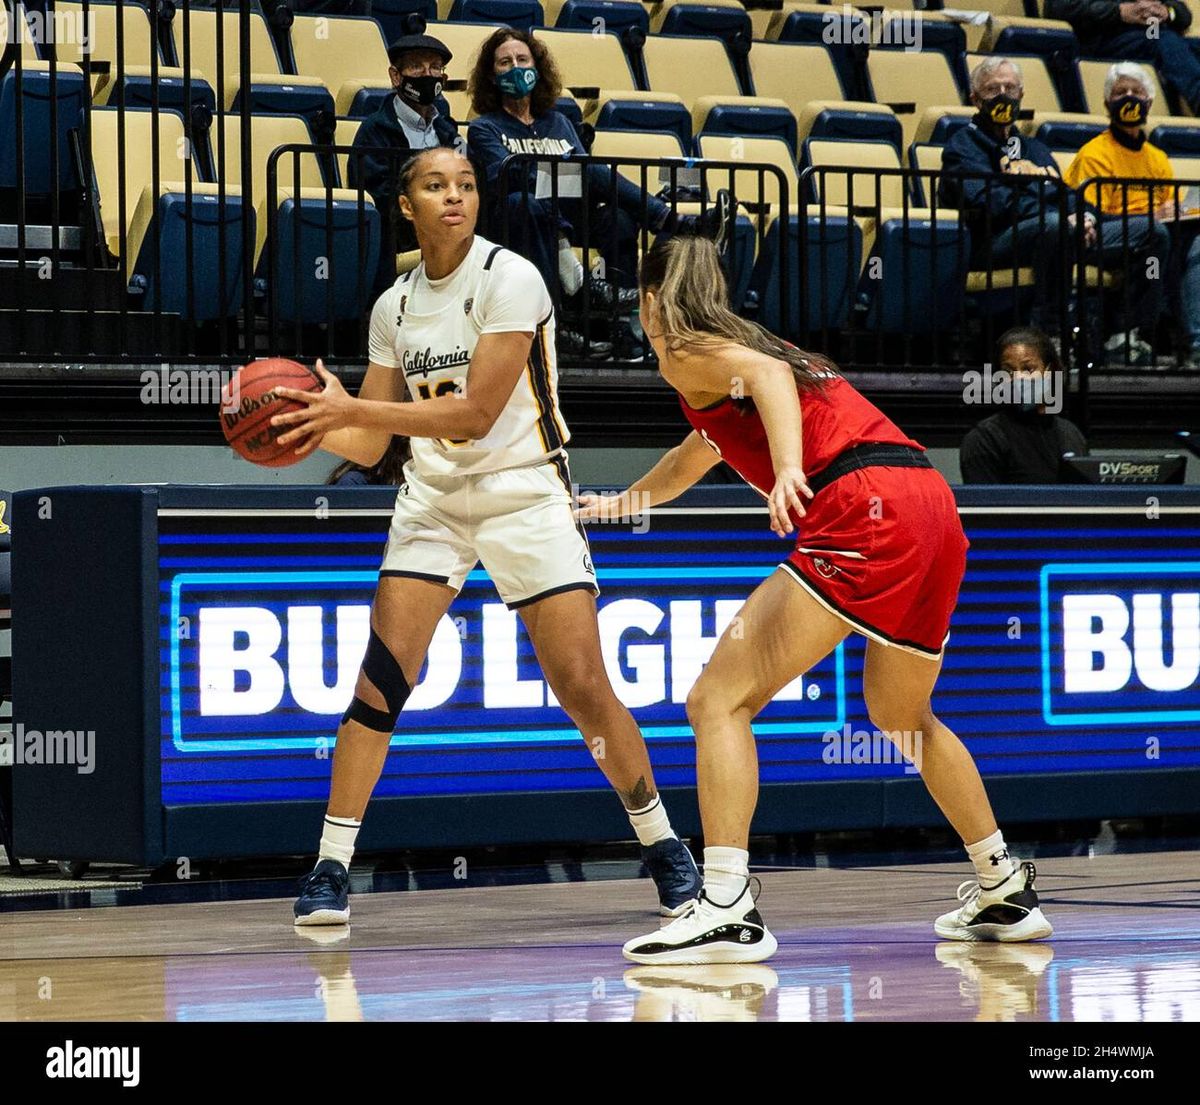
(415, 117)
(1124, 152)
(1020, 210)
(1024, 442)
(514, 87)
(1141, 30)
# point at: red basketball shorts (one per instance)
(883, 548)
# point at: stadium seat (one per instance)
(359, 99)
(1041, 94)
(1177, 136)
(910, 83)
(1050, 39)
(689, 67)
(344, 134)
(820, 285)
(393, 16)
(50, 104)
(267, 133)
(773, 69)
(1065, 130)
(747, 116)
(618, 15)
(925, 158)
(938, 124)
(325, 249)
(137, 39)
(748, 185)
(589, 60)
(639, 144)
(858, 159)
(937, 33)
(846, 40)
(224, 73)
(522, 14)
(921, 272)
(647, 111)
(723, 19)
(343, 53)
(463, 41)
(850, 120)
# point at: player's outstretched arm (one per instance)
(466, 413)
(678, 470)
(362, 446)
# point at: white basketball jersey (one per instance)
(428, 329)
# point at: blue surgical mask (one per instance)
(518, 81)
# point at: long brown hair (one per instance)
(481, 85)
(684, 271)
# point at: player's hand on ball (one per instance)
(606, 508)
(785, 499)
(324, 411)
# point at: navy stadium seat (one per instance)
(848, 53)
(752, 121)
(1060, 135)
(1177, 140)
(727, 23)
(522, 14)
(287, 99)
(618, 15)
(844, 122)
(392, 15)
(936, 34)
(39, 139)
(172, 93)
(649, 115)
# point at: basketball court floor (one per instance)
(856, 944)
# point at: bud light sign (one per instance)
(1120, 643)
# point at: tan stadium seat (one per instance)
(589, 61)
(705, 104)
(267, 133)
(931, 116)
(857, 155)
(142, 214)
(779, 18)
(1186, 168)
(635, 143)
(137, 39)
(768, 151)
(1013, 9)
(139, 165)
(1092, 73)
(463, 41)
(773, 69)
(203, 59)
(1063, 159)
(923, 79)
(344, 134)
(689, 67)
(591, 108)
(316, 194)
(760, 23)
(1040, 93)
(997, 24)
(340, 52)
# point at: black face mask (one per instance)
(1000, 110)
(420, 91)
(1129, 111)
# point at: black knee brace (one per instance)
(380, 667)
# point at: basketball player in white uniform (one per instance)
(469, 335)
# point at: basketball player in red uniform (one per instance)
(880, 551)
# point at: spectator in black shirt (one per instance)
(1024, 443)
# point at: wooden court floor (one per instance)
(855, 944)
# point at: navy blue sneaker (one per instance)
(674, 873)
(324, 895)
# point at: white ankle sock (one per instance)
(651, 823)
(991, 860)
(725, 873)
(337, 839)
(570, 268)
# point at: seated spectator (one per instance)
(1021, 208)
(1124, 152)
(389, 471)
(1141, 30)
(414, 118)
(1023, 443)
(514, 88)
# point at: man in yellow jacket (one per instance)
(1121, 153)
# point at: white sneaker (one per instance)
(1008, 912)
(708, 932)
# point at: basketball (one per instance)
(249, 402)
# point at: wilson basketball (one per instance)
(249, 402)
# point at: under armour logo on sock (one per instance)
(998, 856)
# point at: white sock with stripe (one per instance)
(725, 873)
(991, 860)
(651, 823)
(337, 839)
